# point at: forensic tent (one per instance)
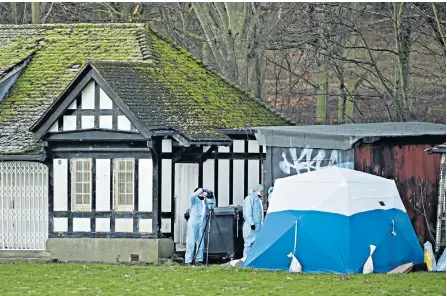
(329, 218)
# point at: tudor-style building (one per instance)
(125, 144)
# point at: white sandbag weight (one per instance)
(369, 265)
(295, 265)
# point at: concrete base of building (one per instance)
(23, 255)
(110, 250)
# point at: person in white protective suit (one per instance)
(253, 217)
(196, 225)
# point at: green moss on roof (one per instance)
(198, 101)
(13, 52)
(211, 99)
(47, 74)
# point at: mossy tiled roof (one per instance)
(195, 99)
(153, 104)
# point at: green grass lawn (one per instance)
(97, 279)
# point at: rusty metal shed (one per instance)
(391, 150)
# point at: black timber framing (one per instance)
(95, 113)
(156, 186)
(93, 201)
(175, 156)
(74, 89)
(71, 92)
(115, 149)
(69, 197)
(225, 155)
(112, 215)
(216, 156)
(49, 165)
(105, 154)
(216, 181)
(40, 157)
(172, 197)
(246, 168)
(97, 143)
(101, 235)
(121, 105)
(135, 195)
(94, 135)
(109, 214)
(60, 124)
(90, 112)
(231, 181)
(209, 153)
(100, 150)
(115, 118)
(99, 146)
(112, 198)
(78, 112)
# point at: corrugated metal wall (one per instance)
(416, 174)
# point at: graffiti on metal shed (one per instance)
(292, 161)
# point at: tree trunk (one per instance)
(405, 64)
(349, 101)
(321, 116)
(14, 19)
(258, 77)
(204, 52)
(402, 33)
(322, 95)
(341, 103)
(125, 11)
(35, 12)
(440, 30)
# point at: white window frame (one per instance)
(129, 187)
(74, 181)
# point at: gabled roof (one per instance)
(196, 100)
(149, 98)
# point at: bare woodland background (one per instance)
(313, 62)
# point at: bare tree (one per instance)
(314, 62)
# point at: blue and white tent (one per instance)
(328, 219)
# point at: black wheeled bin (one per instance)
(227, 243)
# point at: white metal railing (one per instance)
(441, 208)
(23, 205)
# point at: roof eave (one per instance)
(41, 157)
(186, 142)
(238, 132)
(318, 137)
